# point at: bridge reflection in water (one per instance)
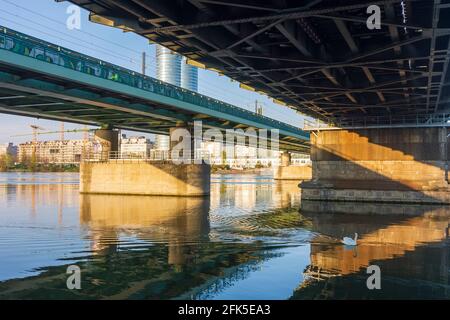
(411, 247)
(248, 240)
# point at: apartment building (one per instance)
(56, 151)
(135, 147)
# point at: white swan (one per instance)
(349, 241)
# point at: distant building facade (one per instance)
(244, 156)
(135, 147)
(57, 151)
(298, 159)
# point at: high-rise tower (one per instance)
(189, 76)
(168, 66)
(172, 68)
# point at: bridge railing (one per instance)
(136, 156)
(38, 49)
(315, 124)
(393, 120)
(418, 120)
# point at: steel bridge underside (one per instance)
(35, 88)
(317, 56)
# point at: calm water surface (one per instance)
(252, 239)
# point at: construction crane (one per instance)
(35, 134)
(61, 138)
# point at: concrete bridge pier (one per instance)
(286, 159)
(287, 171)
(144, 176)
(398, 165)
(109, 140)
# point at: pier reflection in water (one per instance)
(248, 240)
(173, 220)
(150, 247)
(410, 244)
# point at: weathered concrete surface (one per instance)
(145, 178)
(384, 165)
(382, 175)
(393, 212)
(288, 172)
(388, 196)
(299, 173)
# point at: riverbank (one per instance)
(244, 171)
(42, 168)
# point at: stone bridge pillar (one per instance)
(379, 165)
(146, 177)
(285, 159)
(109, 141)
(287, 171)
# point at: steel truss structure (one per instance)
(317, 56)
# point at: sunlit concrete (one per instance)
(286, 171)
(385, 165)
(297, 173)
(144, 178)
(141, 177)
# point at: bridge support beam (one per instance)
(286, 171)
(140, 177)
(400, 165)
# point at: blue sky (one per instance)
(46, 19)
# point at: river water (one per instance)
(252, 239)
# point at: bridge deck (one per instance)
(40, 79)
